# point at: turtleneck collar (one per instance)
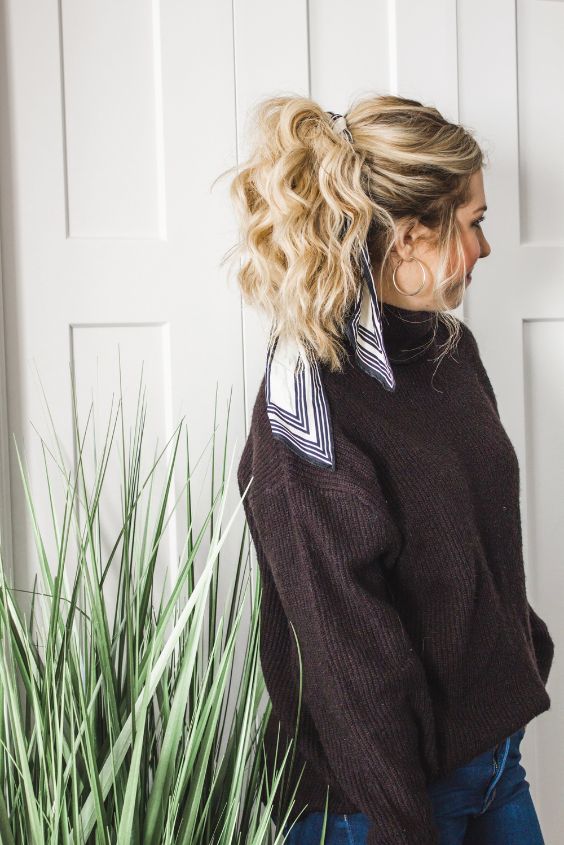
(408, 334)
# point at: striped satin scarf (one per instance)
(296, 402)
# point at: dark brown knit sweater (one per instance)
(400, 577)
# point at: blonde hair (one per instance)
(303, 182)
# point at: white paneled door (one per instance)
(115, 120)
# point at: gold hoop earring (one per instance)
(420, 288)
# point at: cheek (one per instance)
(455, 260)
(471, 251)
(473, 243)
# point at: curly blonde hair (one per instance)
(303, 182)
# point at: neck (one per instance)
(408, 332)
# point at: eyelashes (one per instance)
(479, 221)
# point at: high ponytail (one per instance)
(307, 199)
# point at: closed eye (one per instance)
(478, 221)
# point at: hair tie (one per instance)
(339, 125)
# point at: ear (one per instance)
(408, 231)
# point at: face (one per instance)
(470, 218)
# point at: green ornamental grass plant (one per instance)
(114, 726)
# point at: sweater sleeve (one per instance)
(363, 684)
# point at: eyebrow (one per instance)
(482, 208)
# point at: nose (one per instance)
(485, 247)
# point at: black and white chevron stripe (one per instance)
(296, 403)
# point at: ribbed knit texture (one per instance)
(401, 577)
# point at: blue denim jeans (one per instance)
(485, 802)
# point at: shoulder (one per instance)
(294, 507)
(272, 465)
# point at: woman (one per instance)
(381, 489)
